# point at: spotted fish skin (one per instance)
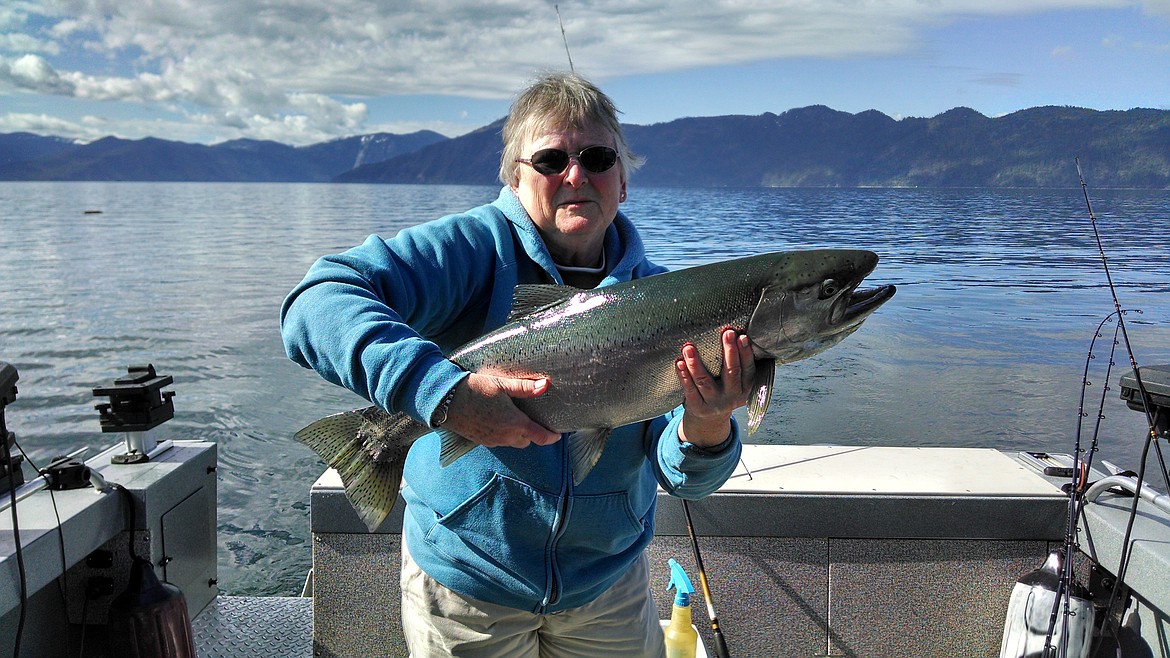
(609, 354)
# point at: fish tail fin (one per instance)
(453, 446)
(761, 395)
(372, 488)
(585, 448)
(334, 438)
(371, 485)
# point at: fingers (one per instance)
(523, 388)
(733, 383)
(694, 376)
(709, 401)
(482, 410)
(737, 350)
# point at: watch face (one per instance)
(440, 415)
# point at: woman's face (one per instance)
(573, 208)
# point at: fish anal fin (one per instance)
(585, 448)
(761, 395)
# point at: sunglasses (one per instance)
(595, 159)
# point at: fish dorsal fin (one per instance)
(529, 298)
(761, 395)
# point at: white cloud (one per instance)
(43, 124)
(1157, 7)
(304, 66)
(32, 73)
(200, 128)
(23, 43)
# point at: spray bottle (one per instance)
(681, 637)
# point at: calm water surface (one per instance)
(985, 344)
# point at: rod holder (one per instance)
(137, 405)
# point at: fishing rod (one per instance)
(1117, 305)
(1151, 426)
(1152, 434)
(720, 643)
(1079, 478)
(564, 38)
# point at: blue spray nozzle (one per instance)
(681, 583)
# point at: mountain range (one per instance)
(24, 156)
(806, 147)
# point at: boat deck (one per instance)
(255, 626)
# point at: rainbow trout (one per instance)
(609, 354)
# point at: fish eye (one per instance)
(829, 288)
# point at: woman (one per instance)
(503, 555)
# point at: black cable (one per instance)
(16, 538)
(84, 626)
(63, 583)
(130, 517)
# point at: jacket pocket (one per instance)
(500, 531)
(603, 525)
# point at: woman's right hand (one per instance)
(482, 410)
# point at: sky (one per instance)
(309, 71)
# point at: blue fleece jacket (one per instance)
(503, 525)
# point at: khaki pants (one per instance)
(437, 622)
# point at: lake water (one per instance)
(985, 344)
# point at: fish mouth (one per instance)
(864, 302)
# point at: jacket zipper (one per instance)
(558, 528)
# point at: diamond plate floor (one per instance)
(245, 626)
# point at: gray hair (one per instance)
(560, 100)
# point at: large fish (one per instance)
(610, 353)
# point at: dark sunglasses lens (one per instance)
(550, 161)
(598, 158)
(595, 159)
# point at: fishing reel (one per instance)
(1152, 383)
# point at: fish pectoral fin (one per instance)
(761, 395)
(585, 448)
(453, 446)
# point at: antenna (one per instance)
(564, 38)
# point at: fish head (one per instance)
(810, 301)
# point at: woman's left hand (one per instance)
(708, 401)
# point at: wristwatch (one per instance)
(440, 414)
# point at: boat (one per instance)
(816, 550)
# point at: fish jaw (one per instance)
(802, 315)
